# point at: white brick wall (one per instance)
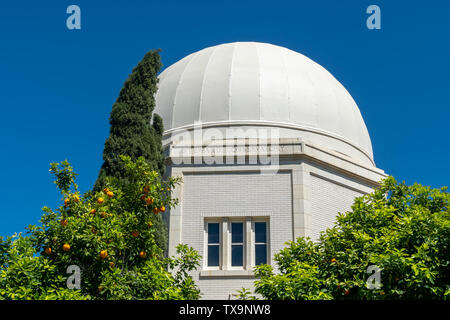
(235, 194)
(327, 199)
(302, 199)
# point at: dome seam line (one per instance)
(287, 83)
(258, 59)
(230, 79)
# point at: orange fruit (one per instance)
(106, 190)
(149, 200)
(64, 222)
(155, 210)
(381, 292)
(142, 254)
(135, 234)
(143, 197)
(100, 200)
(48, 250)
(104, 215)
(93, 211)
(110, 194)
(146, 189)
(333, 260)
(66, 201)
(103, 254)
(162, 209)
(76, 198)
(66, 247)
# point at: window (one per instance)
(235, 244)
(260, 243)
(213, 244)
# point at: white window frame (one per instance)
(249, 255)
(205, 260)
(243, 243)
(266, 243)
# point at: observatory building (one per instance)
(269, 146)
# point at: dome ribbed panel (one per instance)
(188, 95)
(167, 87)
(244, 83)
(349, 113)
(273, 83)
(326, 107)
(302, 103)
(216, 85)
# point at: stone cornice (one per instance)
(265, 123)
(258, 152)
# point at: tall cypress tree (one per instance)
(132, 131)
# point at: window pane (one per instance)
(260, 254)
(237, 255)
(237, 232)
(213, 233)
(260, 232)
(213, 256)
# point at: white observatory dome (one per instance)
(251, 84)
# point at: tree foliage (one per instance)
(132, 131)
(404, 231)
(25, 276)
(108, 234)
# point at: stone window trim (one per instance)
(225, 269)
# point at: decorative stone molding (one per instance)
(266, 152)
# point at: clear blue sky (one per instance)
(57, 86)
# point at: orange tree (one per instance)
(26, 275)
(109, 235)
(399, 234)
